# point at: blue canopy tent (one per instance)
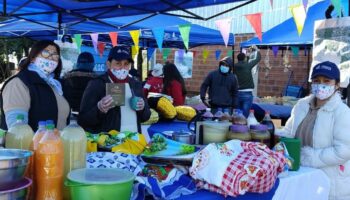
(286, 33)
(198, 35)
(78, 11)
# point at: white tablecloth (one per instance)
(306, 183)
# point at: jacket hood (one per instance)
(228, 61)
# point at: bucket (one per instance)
(293, 146)
(215, 132)
(102, 184)
(16, 190)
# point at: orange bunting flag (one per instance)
(255, 21)
(114, 38)
(101, 48)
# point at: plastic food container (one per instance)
(16, 191)
(106, 184)
(260, 133)
(215, 131)
(239, 132)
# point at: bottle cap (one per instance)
(20, 117)
(239, 128)
(259, 127)
(42, 123)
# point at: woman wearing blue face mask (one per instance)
(35, 91)
(222, 87)
(321, 122)
(98, 112)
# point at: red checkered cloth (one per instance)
(253, 170)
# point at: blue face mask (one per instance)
(224, 69)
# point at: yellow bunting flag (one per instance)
(135, 35)
(205, 55)
(299, 16)
(134, 51)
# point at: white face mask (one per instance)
(322, 91)
(120, 74)
(46, 65)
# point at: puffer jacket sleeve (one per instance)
(90, 116)
(286, 131)
(339, 152)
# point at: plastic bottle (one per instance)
(74, 144)
(218, 115)
(49, 165)
(251, 120)
(20, 135)
(31, 167)
(238, 117)
(226, 116)
(270, 127)
(207, 116)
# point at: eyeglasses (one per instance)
(46, 54)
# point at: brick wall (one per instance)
(272, 85)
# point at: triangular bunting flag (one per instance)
(78, 41)
(101, 48)
(185, 33)
(135, 35)
(94, 38)
(224, 26)
(150, 52)
(271, 3)
(305, 2)
(217, 54)
(299, 16)
(337, 5)
(180, 54)
(134, 51)
(255, 21)
(166, 52)
(158, 34)
(275, 50)
(295, 51)
(205, 55)
(229, 53)
(114, 38)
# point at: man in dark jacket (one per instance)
(75, 81)
(223, 87)
(98, 112)
(243, 70)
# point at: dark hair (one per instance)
(241, 56)
(36, 49)
(171, 73)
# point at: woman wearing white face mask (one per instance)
(322, 122)
(35, 91)
(97, 110)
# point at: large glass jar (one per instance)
(239, 132)
(260, 133)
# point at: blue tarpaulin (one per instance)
(286, 33)
(198, 35)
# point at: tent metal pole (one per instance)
(178, 15)
(4, 8)
(33, 13)
(36, 22)
(139, 20)
(75, 14)
(228, 10)
(19, 7)
(184, 10)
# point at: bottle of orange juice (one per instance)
(49, 165)
(74, 144)
(30, 173)
(19, 135)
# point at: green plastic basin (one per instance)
(95, 188)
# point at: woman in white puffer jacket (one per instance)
(322, 122)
